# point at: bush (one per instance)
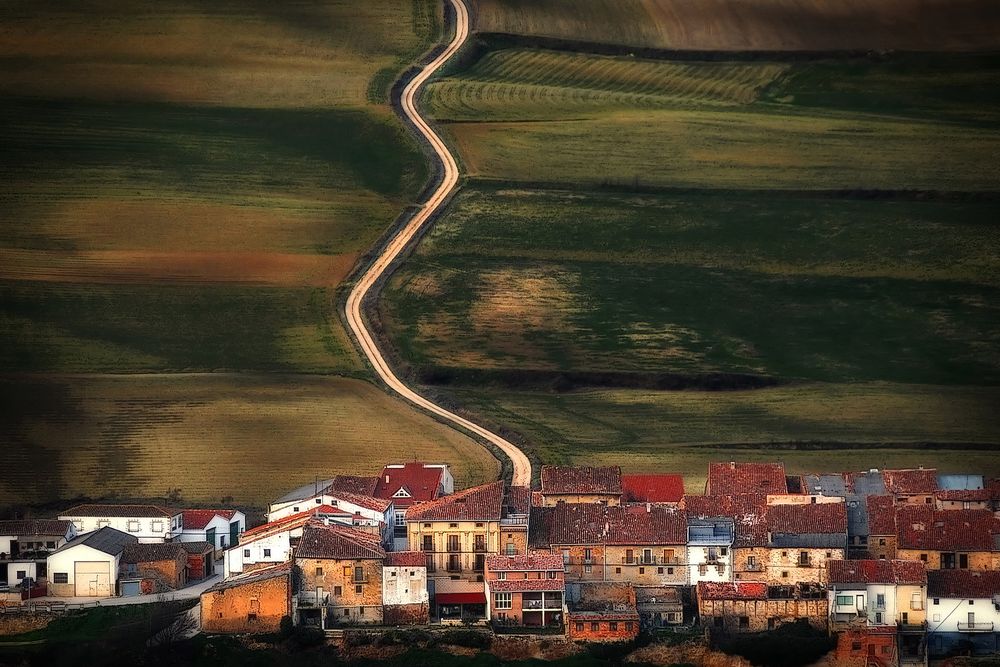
(286, 627)
(307, 637)
(466, 638)
(792, 645)
(357, 638)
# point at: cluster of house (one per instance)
(901, 563)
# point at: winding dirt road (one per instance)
(521, 464)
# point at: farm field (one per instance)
(731, 25)
(210, 435)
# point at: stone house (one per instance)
(153, 568)
(249, 603)
(526, 590)
(751, 606)
(882, 540)
(725, 479)
(803, 539)
(581, 484)
(911, 486)
(660, 606)
(601, 612)
(948, 539)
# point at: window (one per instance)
(347, 612)
(628, 556)
(594, 627)
(613, 626)
(923, 557)
(50, 545)
(618, 570)
(319, 572)
(453, 543)
(319, 501)
(845, 600)
(937, 618)
(394, 574)
(479, 525)
(338, 590)
(880, 600)
(579, 627)
(267, 553)
(784, 574)
(21, 574)
(670, 570)
(101, 523)
(428, 543)
(744, 621)
(702, 569)
(501, 575)
(246, 553)
(628, 626)
(723, 551)
(551, 574)
(157, 526)
(878, 618)
(881, 541)
(937, 601)
(133, 526)
(855, 646)
(503, 600)
(587, 554)
(295, 509)
(453, 525)
(587, 569)
(659, 570)
(642, 570)
(972, 602)
(359, 574)
(751, 561)
(511, 549)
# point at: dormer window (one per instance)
(402, 493)
(319, 501)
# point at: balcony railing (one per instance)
(454, 547)
(754, 567)
(919, 626)
(521, 520)
(983, 626)
(363, 579)
(803, 563)
(427, 547)
(479, 547)
(454, 567)
(554, 605)
(652, 560)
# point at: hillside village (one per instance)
(903, 565)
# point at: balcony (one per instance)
(515, 520)
(363, 579)
(984, 626)
(454, 547)
(912, 627)
(427, 546)
(754, 567)
(454, 567)
(652, 560)
(479, 547)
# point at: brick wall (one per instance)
(761, 615)
(167, 574)
(864, 648)
(583, 627)
(255, 607)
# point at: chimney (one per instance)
(732, 465)
(649, 508)
(386, 479)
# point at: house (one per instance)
(948, 539)
(377, 514)
(249, 603)
(963, 492)
(854, 488)
(26, 544)
(751, 606)
(864, 646)
(408, 483)
(641, 544)
(750, 547)
(911, 486)
(661, 488)
(881, 543)
(220, 528)
(659, 606)
(148, 523)
(710, 548)
(320, 492)
(200, 560)
(803, 539)
(525, 591)
(581, 484)
(964, 612)
(602, 612)
(152, 568)
(732, 478)
(341, 576)
(879, 594)
(405, 600)
(88, 564)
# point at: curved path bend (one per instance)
(396, 245)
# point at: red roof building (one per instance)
(877, 572)
(330, 541)
(924, 528)
(652, 488)
(200, 518)
(740, 590)
(748, 511)
(881, 515)
(739, 478)
(583, 524)
(406, 559)
(818, 518)
(963, 584)
(479, 503)
(911, 481)
(581, 484)
(413, 482)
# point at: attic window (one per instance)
(401, 494)
(319, 501)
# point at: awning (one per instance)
(460, 598)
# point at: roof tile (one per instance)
(966, 584)
(337, 542)
(740, 590)
(876, 572)
(581, 479)
(737, 478)
(479, 503)
(652, 488)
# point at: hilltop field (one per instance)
(814, 239)
(183, 188)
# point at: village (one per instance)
(902, 565)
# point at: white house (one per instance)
(710, 549)
(88, 564)
(404, 579)
(26, 544)
(148, 523)
(220, 528)
(367, 511)
(963, 609)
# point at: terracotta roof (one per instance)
(253, 577)
(652, 488)
(527, 563)
(519, 585)
(197, 547)
(748, 511)
(480, 503)
(406, 559)
(151, 553)
(292, 521)
(198, 519)
(586, 523)
(363, 486)
(581, 479)
(910, 481)
(740, 590)
(368, 502)
(143, 511)
(421, 482)
(829, 518)
(876, 572)
(965, 495)
(29, 527)
(923, 527)
(967, 584)
(518, 499)
(338, 543)
(732, 478)
(881, 515)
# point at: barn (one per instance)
(88, 565)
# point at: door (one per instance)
(92, 579)
(130, 588)
(234, 533)
(210, 538)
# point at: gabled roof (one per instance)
(910, 481)
(197, 547)
(406, 559)
(876, 572)
(747, 510)
(362, 486)
(965, 584)
(123, 511)
(740, 590)
(479, 503)
(420, 481)
(732, 478)
(525, 563)
(922, 527)
(151, 553)
(518, 500)
(661, 488)
(881, 515)
(253, 577)
(581, 479)
(198, 519)
(338, 543)
(108, 540)
(586, 523)
(368, 502)
(813, 519)
(291, 522)
(32, 527)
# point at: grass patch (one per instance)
(113, 622)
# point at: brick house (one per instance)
(803, 539)
(867, 647)
(948, 539)
(526, 590)
(249, 603)
(738, 478)
(405, 600)
(153, 568)
(340, 575)
(751, 606)
(581, 484)
(656, 488)
(602, 612)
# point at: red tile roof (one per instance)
(821, 518)
(421, 482)
(881, 515)
(527, 563)
(198, 519)
(730, 478)
(521, 585)
(518, 499)
(368, 502)
(406, 559)
(292, 521)
(480, 503)
(151, 553)
(966, 584)
(876, 572)
(581, 479)
(910, 481)
(126, 511)
(923, 527)
(740, 590)
(652, 488)
(337, 542)
(29, 527)
(748, 511)
(965, 495)
(585, 523)
(362, 486)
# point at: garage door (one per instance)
(93, 579)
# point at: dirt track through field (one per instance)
(396, 245)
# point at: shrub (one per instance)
(307, 637)
(466, 638)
